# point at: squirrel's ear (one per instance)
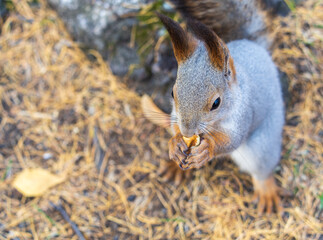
(229, 68)
(216, 48)
(183, 44)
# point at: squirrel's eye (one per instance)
(216, 104)
(172, 94)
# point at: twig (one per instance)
(64, 214)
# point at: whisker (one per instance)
(227, 129)
(220, 138)
(207, 131)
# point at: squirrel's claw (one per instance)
(266, 192)
(197, 161)
(199, 155)
(177, 149)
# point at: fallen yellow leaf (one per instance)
(35, 182)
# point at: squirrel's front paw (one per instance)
(200, 154)
(177, 150)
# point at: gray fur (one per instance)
(251, 111)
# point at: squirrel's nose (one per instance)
(187, 135)
(186, 132)
(188, 128)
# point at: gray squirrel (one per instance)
(230, 96)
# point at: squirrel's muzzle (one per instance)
(188, 130)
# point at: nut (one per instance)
(193, 141)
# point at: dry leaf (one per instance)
(35, 182)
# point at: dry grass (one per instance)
(54, 101)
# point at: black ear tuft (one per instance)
(214, 44)
(183, 45)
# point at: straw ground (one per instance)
(58, 108)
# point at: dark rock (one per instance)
(104, 25)
(3, 9)
(131, 198)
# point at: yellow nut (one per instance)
(192, 141)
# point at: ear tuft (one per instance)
(216, 48)
(183, 44)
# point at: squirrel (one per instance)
(230, 96)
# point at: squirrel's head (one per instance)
(205, 77)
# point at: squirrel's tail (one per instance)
(234, 19)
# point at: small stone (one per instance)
(47, 156)
(131, 198)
